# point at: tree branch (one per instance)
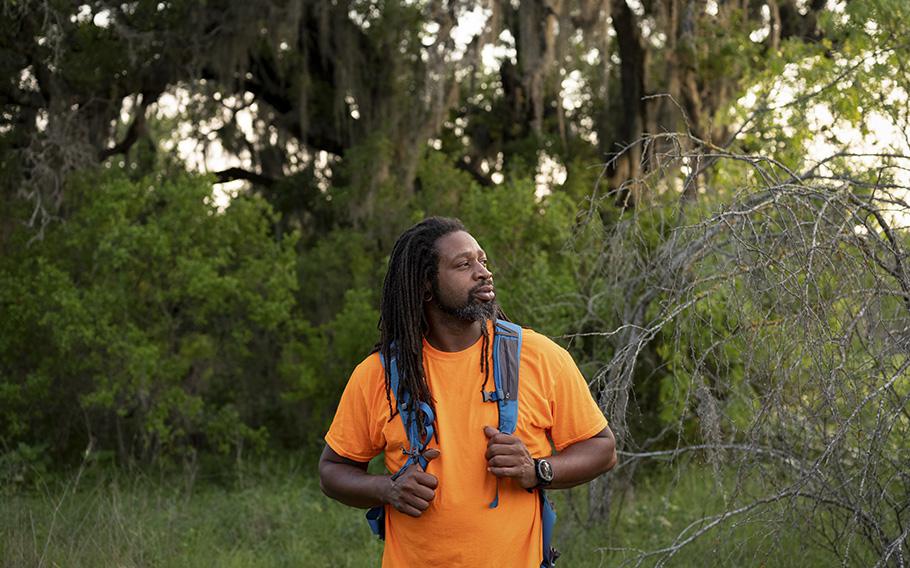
(232, 174)
(133, 133)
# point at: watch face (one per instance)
(545, 470)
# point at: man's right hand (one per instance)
(414, 489)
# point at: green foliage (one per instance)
(156, 325)
(342, 343)
(23, 468)
(525, 239)
(150, 321)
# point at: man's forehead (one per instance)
(456, 244)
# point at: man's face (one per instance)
(463, 287)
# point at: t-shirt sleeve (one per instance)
(355, 432)
(576, 416)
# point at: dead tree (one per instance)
(783, 318)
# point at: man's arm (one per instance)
(347, 481)
(507, 456)
(583, 461)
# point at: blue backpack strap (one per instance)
(548, 516)
(506, 358)
(416, 442)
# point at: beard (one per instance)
(470, 309)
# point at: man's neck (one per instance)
(450, 334)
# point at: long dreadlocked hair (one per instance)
(413, 265)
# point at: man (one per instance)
(437, 312)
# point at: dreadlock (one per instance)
(413, 264)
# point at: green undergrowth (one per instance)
(664, 509)
(275, 515)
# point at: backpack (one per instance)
(506, 357)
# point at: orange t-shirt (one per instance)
(459, 528)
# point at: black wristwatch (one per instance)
(544, 472)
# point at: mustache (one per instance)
(480, 285)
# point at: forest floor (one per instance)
(274, 515)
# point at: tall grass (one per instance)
(276, 516)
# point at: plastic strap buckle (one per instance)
(493, 396)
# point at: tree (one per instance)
(350, 92)
(779, 322)
(765, 323)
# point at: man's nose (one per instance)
(484, 273)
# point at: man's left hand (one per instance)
(507, 456)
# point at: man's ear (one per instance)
(427, 293)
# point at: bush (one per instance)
(149, 321)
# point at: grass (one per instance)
(276, 516)
(662, 507)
